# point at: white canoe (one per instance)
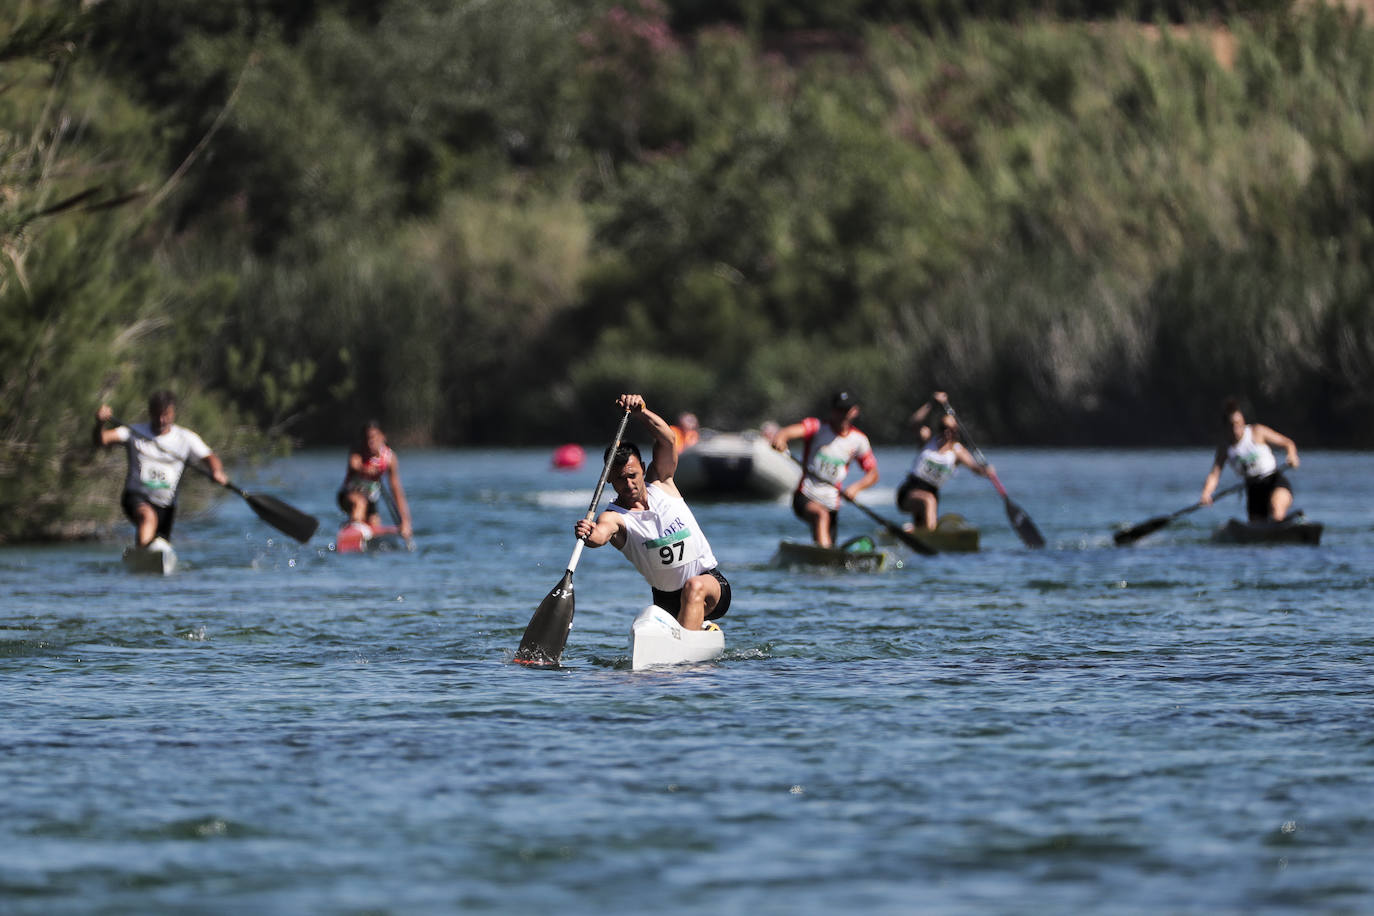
(158, 558)
(735, 466)
(656, 638)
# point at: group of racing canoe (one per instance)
(649, 521)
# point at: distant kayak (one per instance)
(657, 639)
(158, 558)
(356, 537)
(952, 534)
(1295, 529)
(861, 556)
(735, 466)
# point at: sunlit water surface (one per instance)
(1176, 726)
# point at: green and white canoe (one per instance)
(952, 534)
(793, 553)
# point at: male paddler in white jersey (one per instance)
(935, 464)
(158, 452)
(827, 449)
(650, 523)
(1268, 494)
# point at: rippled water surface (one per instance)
(1176, 726)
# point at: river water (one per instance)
(1175, 726)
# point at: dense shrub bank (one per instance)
(478, 222)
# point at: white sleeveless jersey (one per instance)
(155, 467)
(827, 455)
(934, 466)
(1251, 459)
(664, 542)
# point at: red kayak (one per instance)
(356, 537)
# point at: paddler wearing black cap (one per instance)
(650, 523)
(827, 449)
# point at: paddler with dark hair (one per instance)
(1268, 494)
(157, 452)
(827, 450)
(650, 523)
(940, 455)
(369, 460)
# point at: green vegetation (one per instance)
(1089, 221)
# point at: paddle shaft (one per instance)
(394, 512)
(1151, 525)
(1020, 521)
(892, 528)
(600, 485)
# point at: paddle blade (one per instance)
(544, 639)
(1136, 532)
(287, 519)
(1025, 528)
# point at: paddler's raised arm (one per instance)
(664, 463)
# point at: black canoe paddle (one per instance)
(1020, 521)
(897, 531)
(285, 518)
(547, 634)
(1134, 533)
(394, 512)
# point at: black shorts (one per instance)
(342, 499)
(911, 483)
(799, 503)
(1259, 492)
(672, 601)
(129, 501)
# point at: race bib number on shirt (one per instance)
(671, 549)
(828, 470)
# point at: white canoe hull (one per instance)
(656, 638)
(158, 558)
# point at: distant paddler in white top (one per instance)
(935, 464)
(827, 450)
(369, 460)
(650, 523)
(158, 452)
(1268, 494)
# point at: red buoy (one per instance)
(568, 457)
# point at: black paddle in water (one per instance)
(394, 512)
(897, 531)
(1134, 533)
(1020, 521)
(287, 519)
(547, 634)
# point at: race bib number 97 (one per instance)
(671, 549)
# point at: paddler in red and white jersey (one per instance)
(828, 449)
(368, 461)
(940, 455)
(1268, 494)
(158, 451)
(650, 523)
